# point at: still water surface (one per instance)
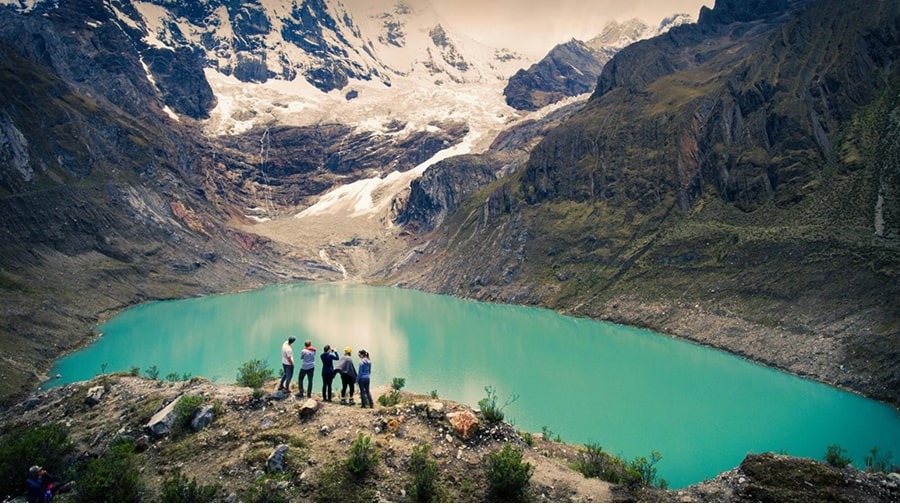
(628, 390)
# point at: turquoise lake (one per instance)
(628, 390)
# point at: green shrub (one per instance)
(434, 394)
(877, 461)
(641, 472)
(113, 477)
(179, 489)
(363, 457)
(593, 462)
(398, 383)
(254, 373)
(507, 476)
(489, 408)
(185, 408)
(424, 487)
(22, 446)
(134, 371)
(152, 372)
(835, 456)
(172, 377)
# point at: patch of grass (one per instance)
(270, 488)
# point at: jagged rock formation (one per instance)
(569, 69)
(572, 68)
(722, 184)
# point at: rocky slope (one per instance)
(728, 183)
(284, 448)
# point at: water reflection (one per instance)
(629, 390)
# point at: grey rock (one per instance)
(435, 410)
(162, 422)
(275, 462)
(202, 417)
(94, 394)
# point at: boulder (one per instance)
(162, 422)
(275, 462)
(464, 423)
(308, 409)
(279, 395)
(202, 417)
(94, 394)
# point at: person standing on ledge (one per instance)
(307, 367)
(328, 358)
(287, 361)
(347, 369)
(364, 379)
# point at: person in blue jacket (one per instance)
(363, 378)
(329, 356)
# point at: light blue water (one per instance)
(628, 390)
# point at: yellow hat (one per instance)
(348, 350)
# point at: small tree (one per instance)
(642, 472)
(425, 473)
(254, 373)
(363, 457)
(877, 461)
(152, 372)
(507, 476)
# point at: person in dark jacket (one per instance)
(347, 370)
(40, 485)
(329, 356)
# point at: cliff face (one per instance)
(722, 184)
(569, 69)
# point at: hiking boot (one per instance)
(343, 402)
(351, 402)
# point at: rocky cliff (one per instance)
(726, 183)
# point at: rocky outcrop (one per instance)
(569, 69)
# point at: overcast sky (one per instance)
(535, 26)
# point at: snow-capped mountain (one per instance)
(572, 68)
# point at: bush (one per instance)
(363, 457)
(152, 372)
(489, 408)
(179, 489)
(185, 409)
(392, 398)
(424, 470)
(593, 462)
(21, 447)
(110, 478)
(835, 456)
(641, 472)
(877, 461)
(507, 476)
(254, 374)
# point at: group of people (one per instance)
(332, 364)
